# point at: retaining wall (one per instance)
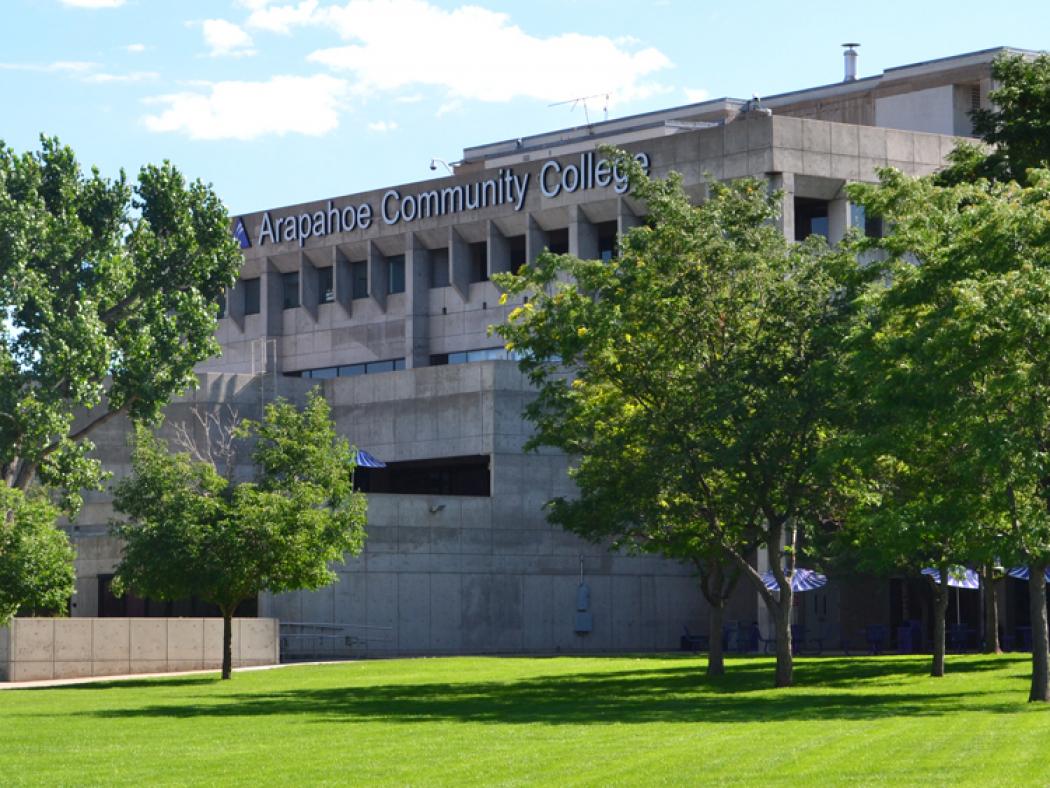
(33, 649)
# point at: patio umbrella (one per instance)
(801, 580)
(365, 460)
(958, 577)
(1022, 573)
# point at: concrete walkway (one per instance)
(15, 685)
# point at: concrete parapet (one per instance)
(33, 649)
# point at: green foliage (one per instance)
(950, 368)
(36, 559)
(1017, 127)
(109, 293)
(700, 392)
(193, 532)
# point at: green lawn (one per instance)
(558, 721)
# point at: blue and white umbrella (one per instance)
(1022, 573)
(801, 580)
(365, 460)
(958, 577)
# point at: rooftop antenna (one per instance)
(582, 101)
(850, 56)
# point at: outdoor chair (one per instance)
(691, 642)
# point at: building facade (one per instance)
(384, 299)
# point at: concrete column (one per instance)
(838, 219)
(535, 240)
(378, 282)
(459, 264)
(343, 281)
(271, 299)
(583, 235)
(625, 217)
(235, 304)
(308, 287)
(417, 296)
(499, 250)
(785, 183)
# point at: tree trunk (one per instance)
(1040, 657)
(940, 617)
(715, 659)
(782, 620)
(227, 642)
(991, 611)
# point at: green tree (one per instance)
(952, 339)
(191, 531)
(705, 348)
(1015, 129)
(109, 295)
(107, 301)
(36, 560)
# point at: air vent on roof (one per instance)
(850, 56)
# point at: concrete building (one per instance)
(383, 299)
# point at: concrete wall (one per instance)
(57, 648)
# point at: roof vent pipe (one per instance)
(850, 57)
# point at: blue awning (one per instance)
(365, 460)
(801, 580)
(958, 577)
(1022, 573)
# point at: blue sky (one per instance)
(279, 102)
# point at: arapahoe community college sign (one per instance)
(507, 187)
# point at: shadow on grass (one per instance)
(827, 689)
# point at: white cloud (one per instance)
(133, 76)
(382, 126)
(135, 48)
(93, 3)
(59, 66)
(470, 52)
(226, 39)
(696, 95)
(246, 110)
(413, 98)
(281, 19)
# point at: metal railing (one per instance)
(310, 640)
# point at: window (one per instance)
(110, 605)
(517, 251)
(468, 356)
(811, 218)
(608, 243)
(445, 476)
(251, 296)
(359, 279)
(290, 290)
(859, 218)
(439, 268)
(349, 370)
(396, 273)
(325, 288)
(479, 262)
(221, 301)
(558, 241)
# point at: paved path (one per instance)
(14, 685)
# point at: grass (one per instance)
(559, 721)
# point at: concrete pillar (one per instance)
(378, 282)
(309, 287)
(499, 250)
(235, 304)
(784, 182)
(417, 296)
(271, 299)
(343, 282)
(583, 235)
(535, 240)
(838, 219)
(459, 264)
(625, 217)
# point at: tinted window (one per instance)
(325, 290)
(439, 268)
(359, 277)
(290, 290)
(396, 273)
(251, 296)
(479, 262)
